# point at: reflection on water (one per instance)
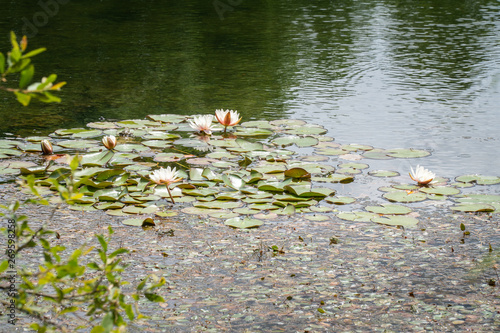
(385, 73)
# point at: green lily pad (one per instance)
(340, 200)
(204, 192)
(97, 159)
(441, 190)
(167, 118)
(78, 144)
(139, 222)
(257, 123)
(10, 152)
(404, 196)
(307, 129)
(383, 173)
(479, 198)
(102, 125)
(331, 151)
(137, 123)
(297, 173)
(479, 179)
(359, 166)
(356, 147)
(157, 144)
(377, 154)
(168, 157)
(473, 207)
(357, 216)
(288, 122)
(250, 131)
(157, 135)
(388, 209)
(129, 147)
(317, 217)
(334, 178)
(243, 223)
(218, 204)
(405, 221)
(87, 134)
(407, 153)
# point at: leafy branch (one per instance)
(17, 61)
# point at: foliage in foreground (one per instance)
(63, 294)
(17, 61)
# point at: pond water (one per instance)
(385, 73)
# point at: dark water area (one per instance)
(385, 73)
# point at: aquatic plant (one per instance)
(421, 175)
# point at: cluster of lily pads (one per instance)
(139, 168)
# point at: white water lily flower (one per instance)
(202, 123)
(165, 176)
(109, 142)
(421, 175)
(227, 118)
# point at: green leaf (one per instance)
(154, 297)
(34, 53)
(4, 265)
(103, 242)
(23, 98)
(107, 322)
(2, 63)
(26, 76)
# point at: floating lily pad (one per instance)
(307, 129)
(405, 196)
(10, 152)
(157, 135)
(340, 200)
(388, 209)
(168, 157)
(297, 173)
(441, 190)
(78, 144)
(357, 216)
(356, 147)
(139, 222)
(383, 173)
(473, 207)
(157, 144)
(334, 178)
(167, 118)
(405, 221)
(317, 217)
(97, 159)
(243, 223)
(407, 153)
(102, 125)
(250, 131)
(479, 179)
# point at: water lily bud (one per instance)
(46, 147)
(109, 142)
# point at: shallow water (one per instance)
(384, 73)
